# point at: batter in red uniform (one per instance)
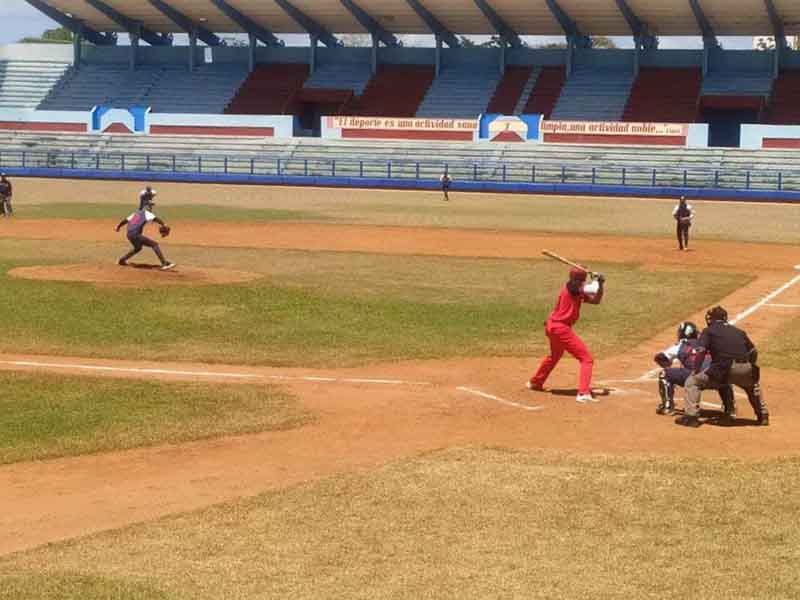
(558, 329)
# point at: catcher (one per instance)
(683, 215)
(136, 223)
(686, 351)
(6, 191)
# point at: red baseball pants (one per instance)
(562, 338)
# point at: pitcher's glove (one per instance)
(662, 360)
(164, 230)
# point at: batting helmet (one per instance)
(576, 274)
(687, 331)
(716, 314)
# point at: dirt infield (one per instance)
(134, 275)
(652, 252)
(375, 414)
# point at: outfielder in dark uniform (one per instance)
(147, 197)
(445, 181)
(686, 352)
(6, 192)
(734, 361)
(136, 223)
(684, 215)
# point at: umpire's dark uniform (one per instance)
(733, 361)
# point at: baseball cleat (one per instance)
(688, 421)
(168, 266)
(585, 398)
(122, 263)
(534, 387)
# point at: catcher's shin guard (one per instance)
(666, 392)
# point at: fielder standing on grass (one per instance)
(558, 329)
(6, 192)
(683, 215)
(136, 223)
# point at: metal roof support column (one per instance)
(502, 56)
(434, 24)
(575, 38)
(374, 62)
(503, 29)
(438, 55)
(74, 25)
(312, 57)
(192, 48)
(310, 25)
(781, 46)
(707, 31)
(134, 49)
(130, 25)
(251, 52)
(77, 48)
(246, 23)
(370, 24)
(186, 23)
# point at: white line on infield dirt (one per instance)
(500, 400)
(773, 305)
(212, 374)
(742, 315)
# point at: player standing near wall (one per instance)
(445, 181)
(558, 329)
(684, 215)
(6, 192)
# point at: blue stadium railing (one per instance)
(466, 175)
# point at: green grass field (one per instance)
(48, 416)
(468, 523)
(331, 309)
(459, 523)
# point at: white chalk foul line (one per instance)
(499, 400)
(650, 375)
(209, 374)
(765, 300)
(773, 305)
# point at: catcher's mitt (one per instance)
(164, 230)
(662, 360)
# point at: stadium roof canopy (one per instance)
(525, 17)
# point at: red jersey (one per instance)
(568, 307)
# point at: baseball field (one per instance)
(326, 399)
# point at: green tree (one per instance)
(602, 41)
(59, 35)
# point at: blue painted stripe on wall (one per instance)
(422, 184)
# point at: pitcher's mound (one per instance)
(133, 275)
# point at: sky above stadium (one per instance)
(19, 19)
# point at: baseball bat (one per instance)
(557, 257)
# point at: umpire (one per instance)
(733, 361)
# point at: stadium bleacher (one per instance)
(460, 91)
(340, 76)
(785, 103)
(268, 89)
(24, 84)
(510, 90)
(395, 90)
(594, 94)
(666, 95)
(165, 88)
(546, 91)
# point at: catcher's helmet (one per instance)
(716, 314)
(687, 331)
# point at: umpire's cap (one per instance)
(716, 314)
